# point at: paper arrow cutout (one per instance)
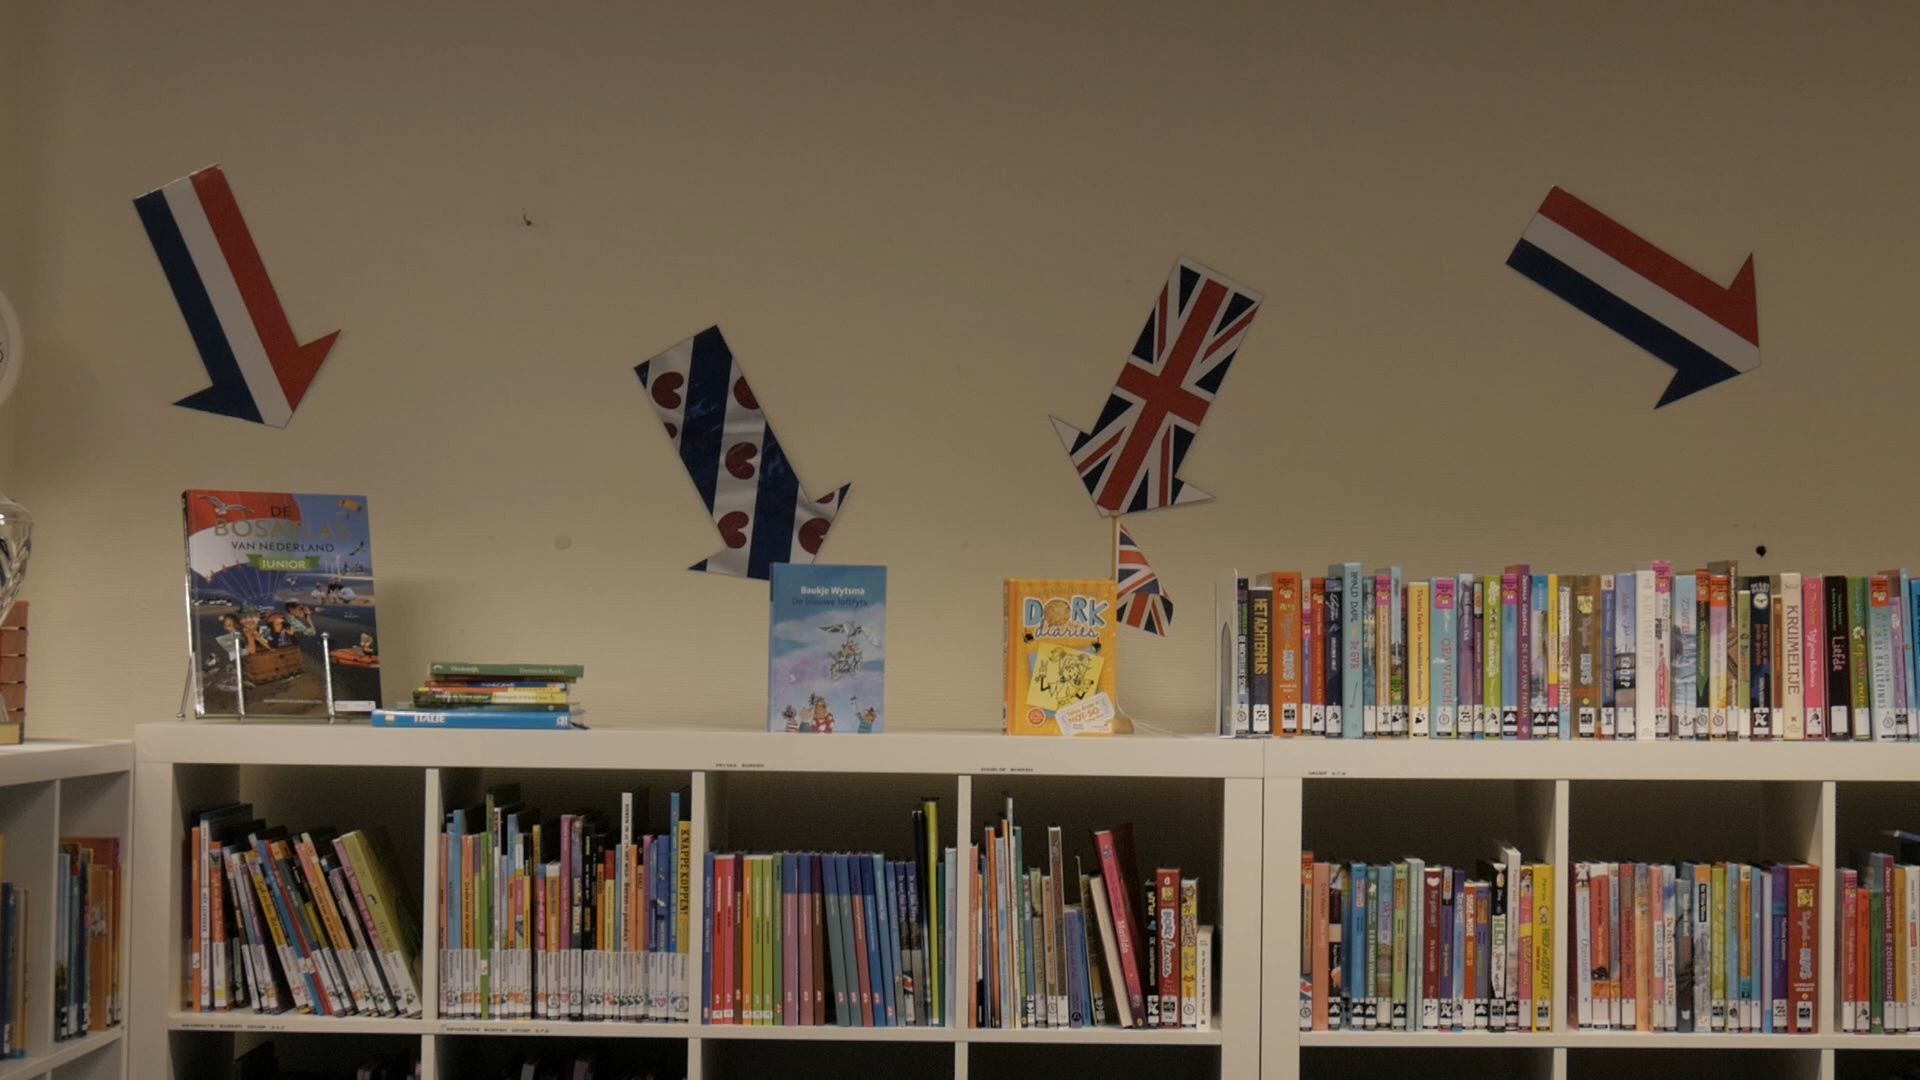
(1707, 334)
(259, 371)
(730, 453)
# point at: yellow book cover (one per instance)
(1542, 946)
(1060, 637)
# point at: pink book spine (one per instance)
(804, 907)
(1813, 653)
(790, 942)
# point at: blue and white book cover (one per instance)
(826, 649)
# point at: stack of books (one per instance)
(568, 918)
(1652, 654)
(1417, 946)
(1692, 947)
(1087, 950)
(807, 939)
(457, 694)
(312, 923)
(86, 967)
(1879, 941)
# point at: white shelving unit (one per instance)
(1563, 801)
(1198, 801)
(49, 790)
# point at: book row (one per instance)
(1879, 941)
(491, 697)
(565, 919)
(1695, 947)
(1417, 946)
(87, 996)
(1651, 654)
(312, 922)
(1085, 950)
(823, 940)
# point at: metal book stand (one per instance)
(240, 681)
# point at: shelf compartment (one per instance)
(481, 1057)
(1750, 821)
(1794, 1060)
(1454, 822)
(1393, 1060)
(211, 1053)
(1109, 1061)
(855, 1055)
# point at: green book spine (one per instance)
(1862, 670)
(1490, 657)
(508, 671)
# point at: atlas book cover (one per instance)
(826, 650)
(277, 583)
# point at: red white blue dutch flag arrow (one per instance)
(1706, 333)
(259, 371)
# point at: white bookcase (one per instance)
(1196, 803)
(49, 790)
(1560, 802)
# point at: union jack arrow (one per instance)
(1131, 460)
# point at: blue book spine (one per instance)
(844, 876)
(1460, 994)
(706, 943)
(673, 874)
(1542, 722)
(477, 720)
(1355, 600)
(1076, 968)
(886, 890)
(1333, 656)
(1686, 657)
(877, 944)
(1625, 656)
(1440, 677)
(1353, 941)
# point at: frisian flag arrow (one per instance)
(259, 371)
(729, 451)
(1707, 334)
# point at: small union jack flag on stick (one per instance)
(1131, 460)
(1143, 602)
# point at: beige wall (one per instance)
(924, 228)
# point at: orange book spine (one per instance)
(1287, 685)
(1322, 877)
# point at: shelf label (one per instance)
(739, 764)
(1005, 769)
(1325, 772)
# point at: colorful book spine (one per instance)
(1310, 698)
(1582, 649)
(1540, 671)
(1626, 677)
(1563, 653)
(1720, 609)
(1686, 658)
(1881, 657)
(1659, 651)
(1333, 660)
(1792, 660)
(1287, 682)
(1813, 653)
(1511, 701)
(1443, 671)
(1262, 687)
(1397, 651)
(1357, 601)
(1419, 657)
(1760, 659)
(1379, 675)
(1314, 653)
(1859, 650)
(1604, 656)
(1521, 671)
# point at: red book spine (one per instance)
(1601, 932)
(1430, 941)
(1322, 881)
(1864, 936)
(1803, 946)
(1889, 927)
(860, 957)
(1627, 1020)
(1120, 898)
